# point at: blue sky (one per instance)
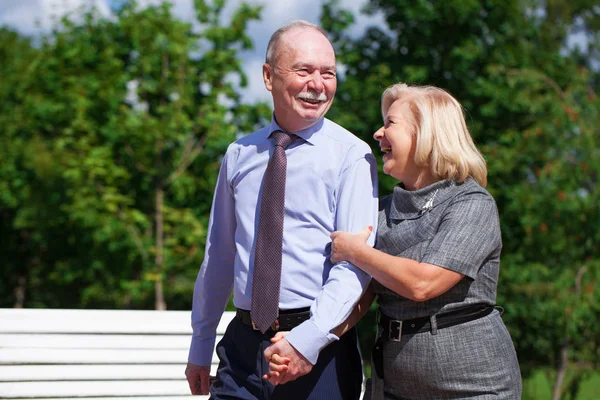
(33, 17)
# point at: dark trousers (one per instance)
(337, 375)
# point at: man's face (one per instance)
(303, 79)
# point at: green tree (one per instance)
(16, 55)
(532, 108)
(126, 120)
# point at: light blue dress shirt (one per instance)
(331, 185)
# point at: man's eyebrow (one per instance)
(301, 64)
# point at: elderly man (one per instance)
(281, 191)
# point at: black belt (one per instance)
(286, 321)
(394, 329)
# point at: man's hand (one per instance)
(283, 351)
(198, 378)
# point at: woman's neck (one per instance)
(423, 179)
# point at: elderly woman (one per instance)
(436, 260)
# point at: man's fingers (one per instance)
(198, 378)
(205, 385)
(285, 379)
(194, 386)
(268, 353)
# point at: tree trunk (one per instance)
(20, 292)
(563, 362)
(561, 371)
(159, 296)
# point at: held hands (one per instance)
(198, 378)
(285, 362)
(343, 244)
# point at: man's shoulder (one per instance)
(250, 139)
(340, 134)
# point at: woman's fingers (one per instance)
(276, 359)
(278, 336)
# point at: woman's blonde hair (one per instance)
(443, 142)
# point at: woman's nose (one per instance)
(378, 134)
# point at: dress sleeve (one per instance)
(469, 233)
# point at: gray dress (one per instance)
(454, 226)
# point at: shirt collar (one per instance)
(307, 134)
(411, 204)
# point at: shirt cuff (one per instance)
(201, 351)
(308, 339)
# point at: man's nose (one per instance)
(316, 82)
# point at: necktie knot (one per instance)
(282, 139)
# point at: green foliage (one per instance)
(114, 129)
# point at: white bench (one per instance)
(123, 354)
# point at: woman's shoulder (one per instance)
(471, 200)
(470, 190)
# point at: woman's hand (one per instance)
(343, 244)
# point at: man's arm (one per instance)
(357, 205)
(214, 282)
(279, 365)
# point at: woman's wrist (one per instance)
(354, 253)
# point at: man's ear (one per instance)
(268, 76)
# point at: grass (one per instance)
(580, 384)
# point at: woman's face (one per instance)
(397, 140)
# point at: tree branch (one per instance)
(185, 162)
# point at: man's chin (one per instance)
(314, 114)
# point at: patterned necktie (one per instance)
(269, 239)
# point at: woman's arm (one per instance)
(412, 279)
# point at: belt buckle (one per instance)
(274, 325)
(395, 330)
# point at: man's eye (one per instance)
(328, 75)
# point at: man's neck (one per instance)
(295, 127)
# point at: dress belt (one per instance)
(286, 321)
(393, 329)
